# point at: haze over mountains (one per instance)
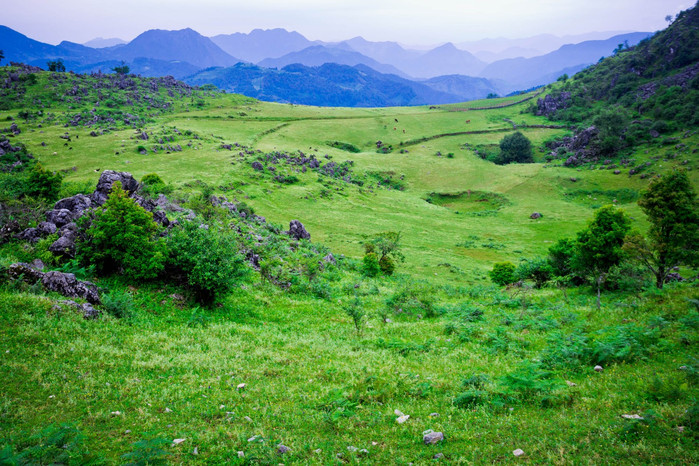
(366, 73)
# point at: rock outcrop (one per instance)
(60, 282)
(298, 231)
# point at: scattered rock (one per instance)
(434, 414)
(240, 386)
(599, 368)
(438, 456)
(402, 419)
(241, 454)
(518, 452)
(571, 384)
(535, 215)
(107, 179)
(431, 438)
(298, 231)
(177, 441)
(632, 416)
(257, 166)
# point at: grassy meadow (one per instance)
(493, 369)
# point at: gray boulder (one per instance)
(64, 246)
(298, 231)
(67, 285)
(76, 204)
(30, 234)
(25, 272)
(107, 179)
(60, 217)
(535, 215)
(257, 166)
(46, 228)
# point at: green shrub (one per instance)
(152, 185)
(207, 258)
(503, 273)
(43, 183)
(370, 265)
(387, 265)
(118, 304)
(124, 236)
(538, 270)
(414, 298)
(515, 147)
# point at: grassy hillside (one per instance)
(493, 369)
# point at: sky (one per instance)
(416, 22)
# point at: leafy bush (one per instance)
(153, 185)
(122, 235)
(539, 270)
(207, 258)
(43, 183)
(370, 265)
(515, 147)
(503, 273)
(387, 265)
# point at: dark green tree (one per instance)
(56, 65)
(599, 246)
(387, 246)
(2, 55)
(673, 238)
(122, 69)
(207, 259)
(515, 147)
(503, 273)
(123, 236)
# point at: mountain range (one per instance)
(444, 73)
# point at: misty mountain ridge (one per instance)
(446, 69)
(100, 42)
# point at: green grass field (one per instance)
(170, 370)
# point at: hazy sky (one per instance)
(406, 21)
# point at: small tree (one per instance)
(56, 65)
(2, 55)
(122, 69)
(207, 259)
(355, 309)
(673, 238)
(515, 147)
(123, 236)
(387, 247)
(599, 246)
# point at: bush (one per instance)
(515, 147)
(370, 265)
(537, 270)
(387, 265)
(124, 236)
(414, 298)
(207, 259)
(503, 273)
(43, 183)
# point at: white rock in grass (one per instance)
(168, 410)
(318, 451)
(632, 416)
(116, 413)
(571, 384)
(402, 419)
(196, 451)
(248, 418)
(438, 456)
(434, 414)
(599, 368)
(177, 441)
(518, 452)
(352, 448)
(240, 386)
(241, 454)
(398, 412)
